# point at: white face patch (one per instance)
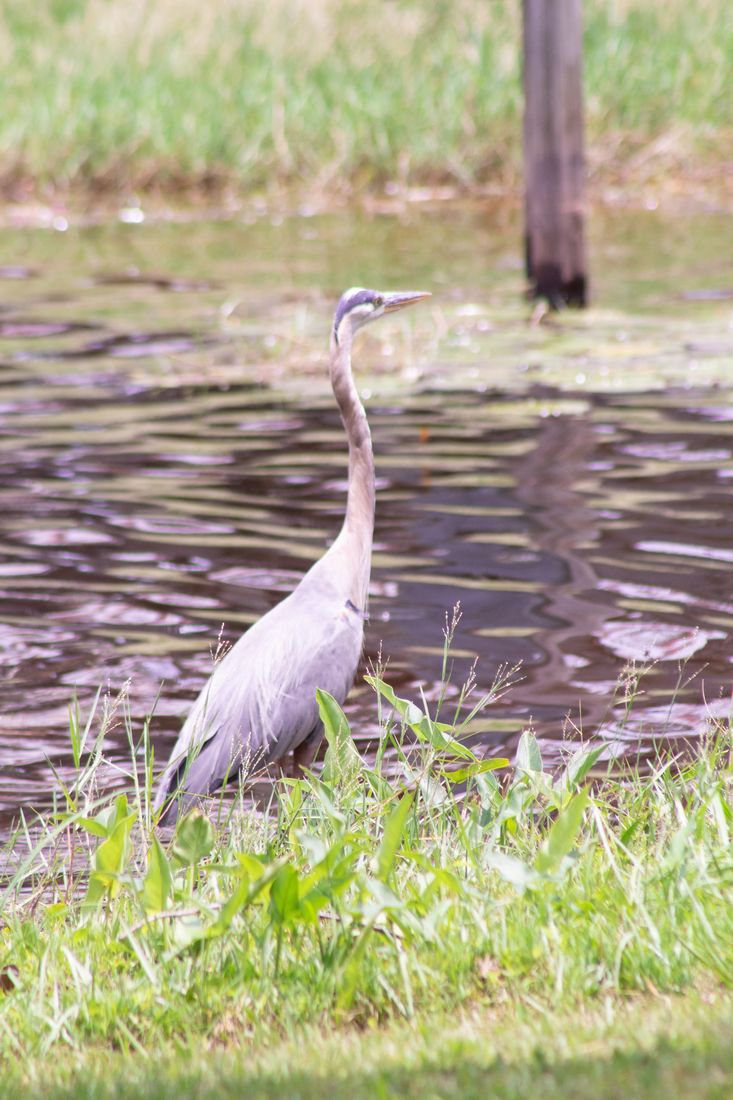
(356, 307)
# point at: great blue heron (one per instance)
(259, 704)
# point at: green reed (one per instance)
(339, 95)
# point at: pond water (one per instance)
(171, 460)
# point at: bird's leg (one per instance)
(284, 767)
(304, 754)
(289, 766)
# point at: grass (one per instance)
(340, 95)
(416, 927)
(643, 1047)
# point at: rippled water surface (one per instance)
(171, 461)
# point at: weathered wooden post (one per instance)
(553, 151)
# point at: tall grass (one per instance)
(335, 93)
(429, 879)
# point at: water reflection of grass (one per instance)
(340, 94)
(463, 925)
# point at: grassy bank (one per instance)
(340, 95)
(379, 902)
(643, 1047)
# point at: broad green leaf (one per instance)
(91, 825)
(384, 898)
(104, 822)
(512, 806)
(264, 881)
(343, 763)
(311, 905)
(251, 865)
(329, 886)
(529, 757)
(284, 895)
(432, 792)
(56, 909)
(158, 884)
(381, 788)
(314, 847)
(460, 775)
(231, 907)
(97, 888)
(437, 734)
(185, 931)
(511, 869)
(577, 767)
(194, 839)
(561, 837)
(489, 789)
(323, 794)
(394, 828)
(112, 855)
(244, 894)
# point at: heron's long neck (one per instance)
(359, 522)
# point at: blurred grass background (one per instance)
(341, 95)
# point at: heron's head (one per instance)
(358, 307)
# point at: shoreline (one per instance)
(706, 190)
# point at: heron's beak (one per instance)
(394, 302)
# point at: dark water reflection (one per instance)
(170, 460)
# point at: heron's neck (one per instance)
(359, 522)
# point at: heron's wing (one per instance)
(259, 702)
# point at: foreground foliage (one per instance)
(368, 894)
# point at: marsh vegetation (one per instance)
(429, 882)
(338, 96)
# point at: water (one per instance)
(171, 461)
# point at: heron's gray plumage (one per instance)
(259, 704)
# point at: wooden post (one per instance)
(553, 151)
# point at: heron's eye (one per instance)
(377, 302)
